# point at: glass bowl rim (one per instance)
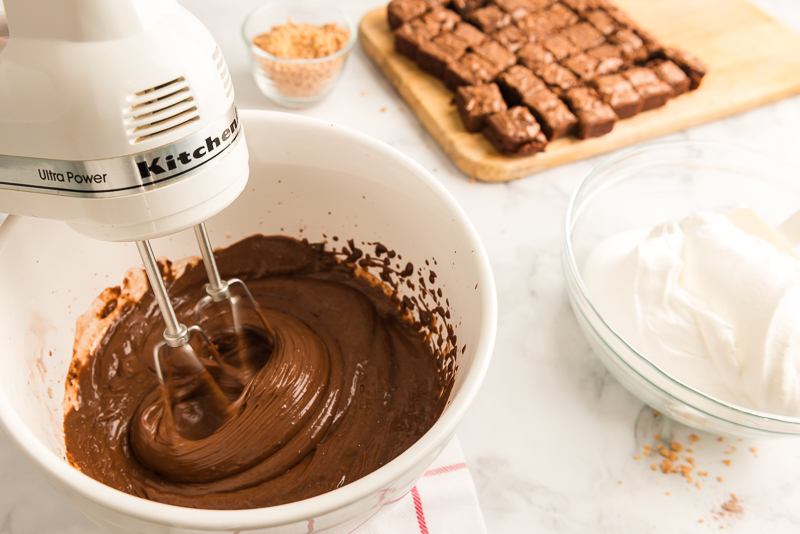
(260, 52)
(572, 271)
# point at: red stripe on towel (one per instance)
(445, 469)
(423, 527)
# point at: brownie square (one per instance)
(610, 57)
(443, 19)
(584, 35)
(651, 44)
(582, 6)
(560, 46)
(618, 92)
(472, 35)
(541, 5)
(560, 16)
(515, 132)
(558, 78)
(620, 17)
(653, 91)
(410, 35)
(400, 11)
(434, 55)
(630, 45)
(690, 64)
(476, 102)
(553, 115)
(517, 83)
(462, 7)
(516, 8)
(583, 66)
(536, 26)
(595, 117)
(602, 21)
(470, 69)
(534, 56)
(672, 74)
(495, 53)
(511, 37)
(489, 18)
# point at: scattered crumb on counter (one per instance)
(732, 505)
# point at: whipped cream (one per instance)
(709, 303)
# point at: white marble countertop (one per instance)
(551, 439)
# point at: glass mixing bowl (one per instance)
(651, 184)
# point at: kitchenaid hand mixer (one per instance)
(119, 119)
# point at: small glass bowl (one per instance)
(295, 83)
(651, 184)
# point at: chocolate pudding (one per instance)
(351, 376)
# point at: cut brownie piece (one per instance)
(515, 132)
(672, 74)
(560, 15)
(516, 8)
(541, 5)
(470, 69)
(595, 117)
(434, 55)
(582, 6)
(517, 83)
(620, 17)
(690, 64)
(410, 35)
(560, 46)
(553, 115)
(495, 53)
(602, 21)
(630, 45)
(534, 56)
(511, 37)
(584, 35)
(583, 66)
(653, 45)
(400, 11)
(653, 91)
(536, 26)
(609, 57)
(472, 35)
(558, 78)
(618, 92)
(476, 102)
(489, 18)
(462, 7)
(443, 19)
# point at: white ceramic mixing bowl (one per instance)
(308, 178)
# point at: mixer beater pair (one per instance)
(176, 334)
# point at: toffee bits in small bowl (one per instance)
(297, 50)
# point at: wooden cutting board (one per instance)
(752, 60)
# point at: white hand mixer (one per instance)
(119, 119)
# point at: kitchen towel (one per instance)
(443, 501)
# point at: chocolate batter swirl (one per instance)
(344, 386)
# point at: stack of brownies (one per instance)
(526, 72)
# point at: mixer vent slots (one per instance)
(222, 68)
(159, 110)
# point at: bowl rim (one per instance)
(263, 54)
(572, 271)
(438, 435)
